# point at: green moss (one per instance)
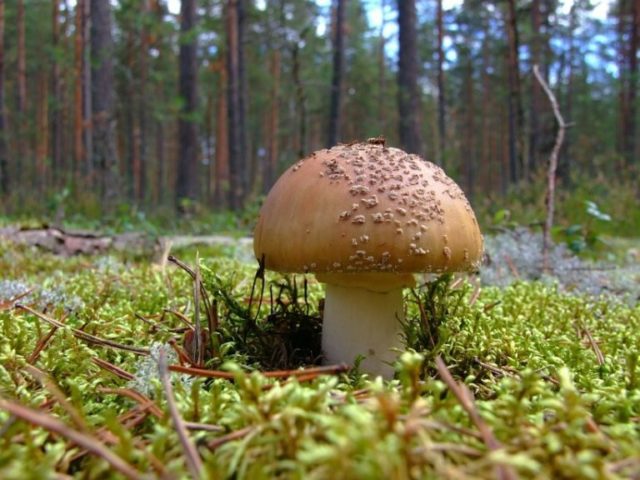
(559, 406)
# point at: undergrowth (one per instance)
(554, 378)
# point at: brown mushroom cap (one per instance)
(364, 208)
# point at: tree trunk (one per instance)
(236, 161)
(337, 75)
(78, 128)
(187, 175)
(629, 18)
(238, 164)
(442, 133)
(42, 130)
(143, 104)
(568, 62)
(87, 111)
(469, 128)
(516, 116)
(22, 157)
(248, 174)
(22, 60)
(382, 72)
(222, 142)
(301, 99)
(4, 161)
(273, 123)
(408, 91)
(488, 157)
(534, 106)
(56, 87)
(103, 118)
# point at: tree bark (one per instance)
(337, 74)
(222, 142)
(42, 129)
(382, 72)
(534, 106)
(78, 127)
(516, 116)
(4, 161)
(22, 60)
(143, 104)
(301, 99)
(87, 111)
(568, 62)
(273, 123)
(103, 118)
(442, 133)
(629, 25)
(22, 157)
(469, 147)
(408, 91)
(56, 85)
(248, 174)
(186, 182)
(238, 164)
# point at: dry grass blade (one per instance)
(110, 367)
(448, 448)
(197, 344)
(474, 295)
(9, 304)
(145, 402)
(59, 396)
(52, 424)
(205, 427)
(229, 437)
(194, 462)
(306, 374)
(594, 346)
(212, 318)
(87, 337)
(42, 343)
(463, 396)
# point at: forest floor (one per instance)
(516, 372)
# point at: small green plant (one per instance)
(585, 237)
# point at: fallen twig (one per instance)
(463, 395)
(48, 422)
(229, 437)
(144, 402)
(87, 337)
(42, 343)
(593, 344)
(110, 367)
(59, 396)
(201, 372)
(194, 462)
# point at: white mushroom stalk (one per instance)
(360, 322)
(362, 317)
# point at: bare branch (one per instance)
(52, 424)
(463, 395)
(87, 337)
(553, 166)
(194, 462)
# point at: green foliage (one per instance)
(554, 376)
(586, 210)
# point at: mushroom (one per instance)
(364, 218)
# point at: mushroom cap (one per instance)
(365, 208)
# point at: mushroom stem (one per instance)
(357, 322)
